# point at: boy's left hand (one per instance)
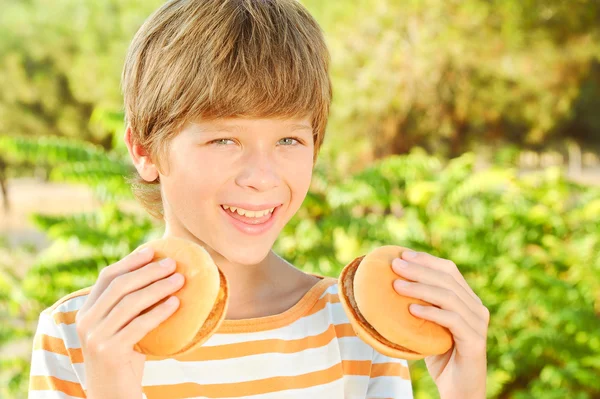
(460, 372)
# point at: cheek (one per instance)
(300, 180)
(191, 181)
(303, 179)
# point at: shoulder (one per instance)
(56, 352)
(69, 302)
(56, 331)
(64, 309)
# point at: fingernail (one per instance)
(175, 278)
(172, 301)
(166, 262)
(401, 263)
(401, 283)
(144, 251)
(410, 254)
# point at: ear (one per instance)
(140, 157)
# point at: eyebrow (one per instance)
(238, 128)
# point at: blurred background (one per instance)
(467, 129)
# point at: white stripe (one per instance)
(387, 359)
(333, 289)
(254, 367)
(356, 385)
(47, 363)
(390, 387)
(49, 395)
(314, 324)
(381, 358)
(71, 304)
(47, 326)
(332, 313)
(353, 348)
(332, 390)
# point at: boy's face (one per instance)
(261, 164)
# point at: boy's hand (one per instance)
(109, 323)
(460, 372)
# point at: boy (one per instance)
(226, 106)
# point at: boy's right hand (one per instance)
(109, 323)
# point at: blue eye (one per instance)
(292, 138)
(218, 141)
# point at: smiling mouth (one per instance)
(251, 220)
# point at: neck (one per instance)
(251, 285)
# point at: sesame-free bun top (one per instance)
(379, 315)
(203, 299)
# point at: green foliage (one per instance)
(50, 150)
(61, 64)
(443, 75)
(73, 161)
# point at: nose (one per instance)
(259, 171)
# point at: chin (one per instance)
(246, 256)
(238, 253)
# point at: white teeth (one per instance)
(244, 212)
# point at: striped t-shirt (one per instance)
(308, 351)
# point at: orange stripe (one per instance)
(228, 351)
(309, 305)
(327, 298)
(48, 383)
(65, 317)
(356, 367)
(56, 345)
(390, 370)
(247, 388)
(344, 330)
(248, 348)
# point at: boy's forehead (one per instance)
(244, 124)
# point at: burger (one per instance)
(203, 300)
(380, 316)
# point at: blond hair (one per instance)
(209, 59)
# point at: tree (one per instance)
(446, 74)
